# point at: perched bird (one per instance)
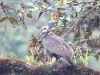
(55, 46)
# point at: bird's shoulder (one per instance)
(52, 38)
(56, 40)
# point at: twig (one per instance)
(6, 14)
(66, 35)
(1, 13)
(80, 20)
(33, 29)
(15, 3)
(80, 42)
(4, 31)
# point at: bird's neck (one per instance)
(46, 34)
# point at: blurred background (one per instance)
(16, 39)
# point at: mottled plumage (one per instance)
(56, 46)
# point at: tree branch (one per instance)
(80, 20)
(16, 66)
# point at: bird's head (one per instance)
(44, 30)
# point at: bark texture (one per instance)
(10, 66)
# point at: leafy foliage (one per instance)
(36, 50)
(80, 57)
(12, 54)
(3, 19)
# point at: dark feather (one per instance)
(58, 47)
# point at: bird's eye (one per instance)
(44, 28)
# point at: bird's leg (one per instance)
(58, 60)
(50, 59)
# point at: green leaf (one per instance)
(12, 54)
(76, 51)
(98, 14)
(40, 14)
(97, 57)
(1, 55)
(29, 15)
(81, 61)
(3, 19)
(98, 53)
(29, 59)
(13, 20)
(46, 1)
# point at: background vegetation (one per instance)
(76, 21)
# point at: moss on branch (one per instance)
(11, 65)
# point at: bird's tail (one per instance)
(67, 61)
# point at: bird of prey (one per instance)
(55, 46)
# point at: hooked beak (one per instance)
(44, 31)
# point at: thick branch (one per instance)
(11, 65)
(80, 20)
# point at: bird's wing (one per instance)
(63, 42)
(55, 45)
